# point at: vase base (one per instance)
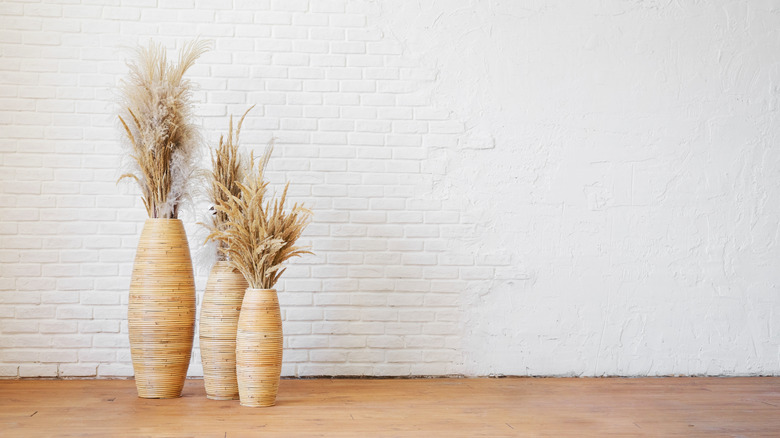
(258, 405)
(217, 397)
(158, 396)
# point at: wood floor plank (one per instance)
(419, 407)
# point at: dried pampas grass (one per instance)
(228, 168)
(163, 141)
(258, 233)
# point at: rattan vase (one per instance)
(259, 348)
(218, 325)
(161, 310)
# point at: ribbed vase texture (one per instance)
(259, 348)
(218, 326)
(161, 309)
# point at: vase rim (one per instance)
(260, 290)
(160, 219)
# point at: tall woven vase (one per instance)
(259, 348)
(218, 326)
(161, 311)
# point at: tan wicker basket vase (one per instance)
(259, 348)
(218, 325)
(161, 311)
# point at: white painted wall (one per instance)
(543, 188)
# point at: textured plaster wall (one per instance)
(624, 157)
(542, 188)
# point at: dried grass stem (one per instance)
(157, 120)
(258, 233)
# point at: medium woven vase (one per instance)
(259, 348)
(161, 310)
(218, 325)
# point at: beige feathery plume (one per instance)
(157, 117)
(228, 168)
(258, 234)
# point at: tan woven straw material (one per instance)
(218, 325)
(259, 348)
(161, 309)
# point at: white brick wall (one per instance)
(481, 204)
(340, 100)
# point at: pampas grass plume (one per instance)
(258, 232)
(156, 117)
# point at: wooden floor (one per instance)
(424, 407)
